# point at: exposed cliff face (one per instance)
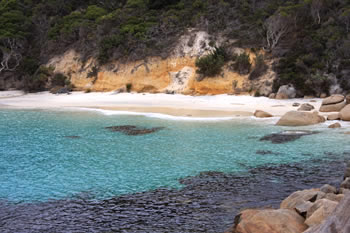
(176, 74)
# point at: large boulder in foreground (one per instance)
(295, 118)
(338, 221)
(345, 113)
(262, 114)
(286, 92)
(269, 221)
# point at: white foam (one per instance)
(156, 115)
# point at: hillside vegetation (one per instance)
(308, 39)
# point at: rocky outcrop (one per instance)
(338, 221)
(175, 74)
(334, 103)
(345, 113)
(295, 118)
(306, 107)
(286, 92)
(269, 221)
(319, 211)
(262, 114)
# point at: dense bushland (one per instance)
(309, 38)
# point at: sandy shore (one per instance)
(175, 105)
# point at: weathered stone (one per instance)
(332, 107)
(319, 203)
(296, 105)
(272, 96)
(346, 183)
(306, 107)
(281, 96)
(286, 92)
(347, 99)
(331, 197)
(262, 114)
(337, 222)
(328, 189)
(333, 117)
(347, 170)
(295, 118)
(335, 125)
(344, 191)
(345, 113)
(303, 208)
(269, 221)
(323, 95)
(299, 197)
(333, 99)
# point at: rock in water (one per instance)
(334, 126)
(262, 114)
(295, 118)
(133, 130)
(269, 221)
(345, 113)
(306, 107)
(286, 136)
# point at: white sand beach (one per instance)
(175, 105)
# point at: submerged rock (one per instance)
(72, 137)
(286, 136)
(133, 130)
(266, 152)
(335, 125)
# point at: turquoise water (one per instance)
(38, 163)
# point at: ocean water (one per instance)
(38, 162)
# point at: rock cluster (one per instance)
(318, 210)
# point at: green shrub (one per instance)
(260, 67)
(128, 87)
(59, 79)
(242, 64)
(211, 64)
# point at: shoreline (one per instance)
(216, 106)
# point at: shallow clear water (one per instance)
(38, 163)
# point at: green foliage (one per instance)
(211, 64)
(242, 64)
(59, 79)
(128, 87)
